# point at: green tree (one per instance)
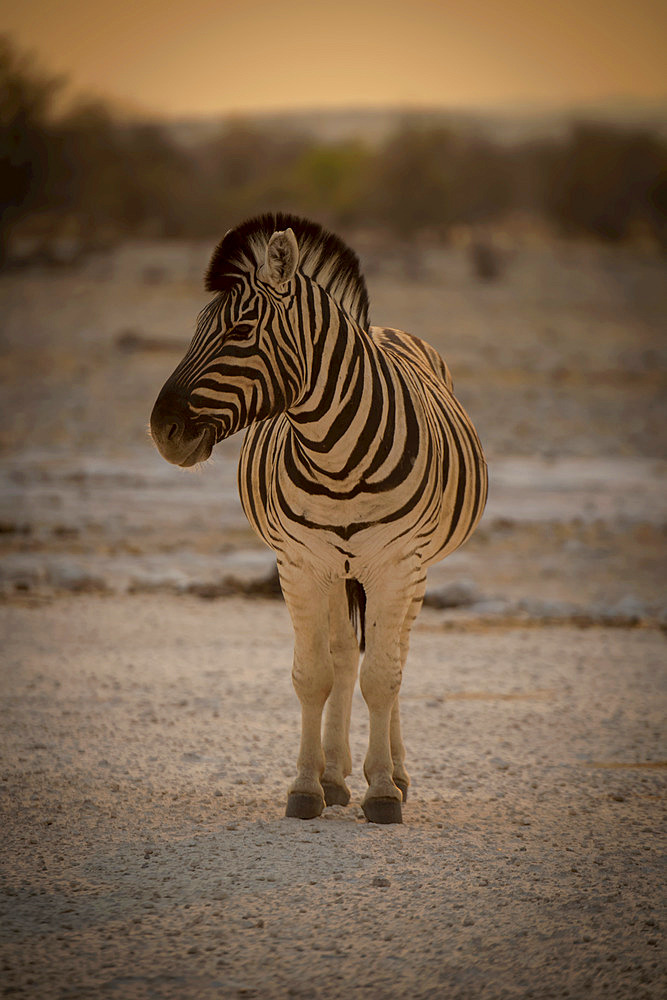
(332, 182)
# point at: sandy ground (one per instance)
(147, 745)
(148, 729)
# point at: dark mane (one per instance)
(322, 256)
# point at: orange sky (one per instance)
(208, 56)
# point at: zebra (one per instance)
(359, 468)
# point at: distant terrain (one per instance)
(516, 123)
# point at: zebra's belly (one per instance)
(347, 536)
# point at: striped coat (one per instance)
(359, 468)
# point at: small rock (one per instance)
(498, 606)
(499, 764)
(335, 812)
(537, 608)
(486, 260)
(458, 594)
(148, 581)
(629, 609)
(381, 881)
(21, 577)
(68, 576)
(128, 340)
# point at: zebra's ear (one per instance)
(282, 257)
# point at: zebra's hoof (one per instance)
(335, 795)
(300, 805)
(403, 785)
(384, 810)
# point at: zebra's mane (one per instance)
(323, 257)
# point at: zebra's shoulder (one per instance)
(418, 353)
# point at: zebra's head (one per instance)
(248, 357)
(232, 374)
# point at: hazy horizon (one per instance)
(612, 103)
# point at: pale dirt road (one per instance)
(147, 743)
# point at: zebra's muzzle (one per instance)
(203, 446)
(176, 442)
(186, 452)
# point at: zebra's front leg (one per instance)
(345, 655)
(312, 676)
(381, 673)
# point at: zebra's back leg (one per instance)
(312, 676)
(345, 655)
(400, 775)
(389, 600)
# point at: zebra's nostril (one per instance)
(172, 432)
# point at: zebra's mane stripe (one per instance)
(323, 257)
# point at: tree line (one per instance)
(85, 168)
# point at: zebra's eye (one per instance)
(242, 331)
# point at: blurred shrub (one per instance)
(332, 183)
(244, 171)
(608, 182)
(430, 178)
(414, 178)
(91, 173)
(26, 145)
(87, 168)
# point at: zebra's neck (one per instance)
(337, 420)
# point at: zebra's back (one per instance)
(463, 466)
(416, 352)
